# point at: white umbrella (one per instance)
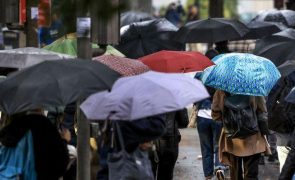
(24, 57)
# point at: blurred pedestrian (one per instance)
(172, 15)
(193, 13)
(239, 153)
(47, 35)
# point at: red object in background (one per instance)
(22, 11)
(44, 13)
(176, 61)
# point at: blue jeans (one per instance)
(209, 133)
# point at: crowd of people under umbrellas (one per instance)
(244, 100)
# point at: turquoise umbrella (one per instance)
(242, 73)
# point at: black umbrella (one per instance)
(134, 16)
(54, 83)
(143, 38)
(260, 29)
(287, 67)
(287, 17)
(278, 47)
(211, 30)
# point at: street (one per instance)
(189, 167)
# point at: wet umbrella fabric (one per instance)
(176, 61)
(144, 95)
(143, 38)
(211, 30)
(134, 16)
(260, 29)
(124, 66)
(287, 17)
(279, 47)
(287, 67)
(24, 57)
(242, 73)
(54, 83)
(68, 45)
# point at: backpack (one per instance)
(280, 112)
(239, 117)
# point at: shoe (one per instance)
(220, 174)
(208, 178)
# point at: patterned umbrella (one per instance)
(177, 61)
(68, 45)
(242, 73)
(124, 66)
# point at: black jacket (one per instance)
(289, 166)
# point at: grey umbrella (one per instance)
(24, 57)
(144, 95)
(54, 83)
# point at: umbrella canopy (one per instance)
(242, 73)
(291, 96)
(54, 83)
(143, 38)
(68, 45)
(124, 66)
(279, 47)
(144, 95)
(287, 67)
(24, 57)
(134, 16)
(177, 61)
(260, 29)
(211, 30)
(287, 17)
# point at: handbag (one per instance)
(129, 166)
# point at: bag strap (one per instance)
(119, 133)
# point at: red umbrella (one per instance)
(177, 61)
(124, 66)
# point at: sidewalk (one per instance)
(189, 167)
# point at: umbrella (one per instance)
(287, 67)
(144, 95)
(176, 61)
(54, 83)
(211, 30)
(124, 66)
(279, 47)
(242, 73)
(260, 29)
(68, 45)
(134, 16)
(291, 96)
(143, 38)
(287, 17)
(24, 57)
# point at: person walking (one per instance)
(167, 147)
(209, 133)
(239, 153)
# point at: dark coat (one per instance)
(50, 150)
